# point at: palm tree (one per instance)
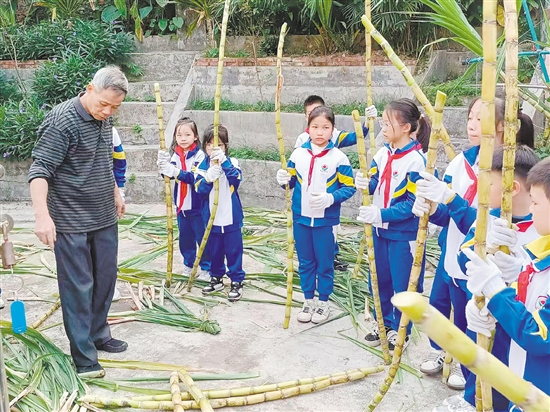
(203, 11)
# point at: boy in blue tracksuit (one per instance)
(225, 241)
(322, 179)
(395, 169)
(523, 313)
(181, 167)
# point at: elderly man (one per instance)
(76, 204)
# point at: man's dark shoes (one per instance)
(93, 371)
(339, 265)
(113, 346)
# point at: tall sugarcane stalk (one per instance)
(194, 390)
(167, 192)
(368, 67)
(367, 236)
(442, 331)
(215, 143)
(418, 254)
(411, 82)
(484, 394)
(288, 204)
(511, 110)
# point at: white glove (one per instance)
(420, 207)
(509, 265)
(433, 189)
(361, 182)
(213, 173)
(163, 157)
(321, 200)
(218, 154)
(479, 321)
(371, 111)
(484, 277)
(283, 177)
(370, 214)
(122, 194)
(501, 234)
(168, 169)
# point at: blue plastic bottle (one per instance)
(18, 319)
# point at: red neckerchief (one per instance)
(183, 186)
(307, 130)
(387, 174)
(472, 190)
(312, 163)
(523, 282)
(523, 226)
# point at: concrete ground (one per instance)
(252, 339)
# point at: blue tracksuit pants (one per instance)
(460, 295)
(440, 295)
(228, 247)
(394, 261)
(315, 250)
(191, 230)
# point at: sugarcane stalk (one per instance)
(489, 76)
(368, 66)
(175, 392)
(411, 82)
(215, 143)
(46, 315)
(288, 204)
(236, 400)
(442, 331)
(167, 192)
(416, 269)
(229, 393)
(511, 110)
(367, 236)
(446, 372)
(194, 390)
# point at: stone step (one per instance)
(140, 113)
(144, 187)
(145, 92)
(159, 66)
(139, 135)
(141, 158)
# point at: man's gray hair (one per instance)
(110, 77)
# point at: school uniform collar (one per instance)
(471, 154)
(539, 251)
(307, 145)
(413, 144)
(525, 220)
(180, 152)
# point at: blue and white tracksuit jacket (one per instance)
(119, 160)
(527, 323)
(327, 172)
(393, 186)
(339, 138)
(526, 234)
(225, 240)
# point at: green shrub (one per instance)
(8, 89)
(20, 121)
(61, 79)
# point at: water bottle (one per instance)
(18, 319)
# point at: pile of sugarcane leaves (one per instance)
(41, 377)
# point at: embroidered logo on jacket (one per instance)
(395, 174)
(541, 301)
(324, 168)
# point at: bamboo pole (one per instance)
(367, 236)
(46, 315)
(411, 82)
(489, 77)
(236, 400)
(215, 143)
(288, 204)
(175, 392)
(230, 393)
(167, 191)
(194, 390)
(418, 255)
(511, 111)
(522, 393)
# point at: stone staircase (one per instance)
(137, 122)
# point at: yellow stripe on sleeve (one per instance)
(345, 180)
(543, 329)
(119, 155)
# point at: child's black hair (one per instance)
(526, 159)
(526, 132)
(407, 111)
(194, 129)
(324, 111)
(223, 136)
(539, 176)
(312, 100)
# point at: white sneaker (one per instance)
(203, 275)
(434, 363)
(322, 312)
(186, 270)
(307, 311)
(392, 341)
(455, 404)
(456, 379)
(116, 295)
(2, 303)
